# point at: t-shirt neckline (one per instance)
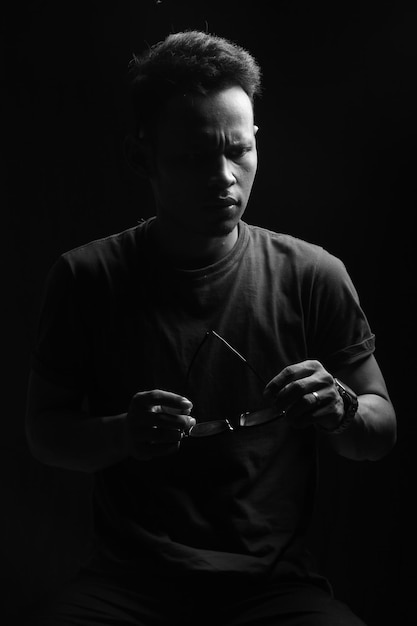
(220, 266)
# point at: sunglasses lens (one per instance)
(206, 429)
(260, 417)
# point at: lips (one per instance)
(221, 203)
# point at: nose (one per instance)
(222, 175)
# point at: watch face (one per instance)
(350, 404)
(350, 399)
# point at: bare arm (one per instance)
(372, 433)
(61, 434)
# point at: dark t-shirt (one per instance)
(117, 320)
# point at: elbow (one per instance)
(387, 440)
(37, 447)
(49, 454)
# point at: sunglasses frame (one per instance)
(245, 420)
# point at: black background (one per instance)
(336, 166)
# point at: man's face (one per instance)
(205, 162)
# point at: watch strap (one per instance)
(350, 403)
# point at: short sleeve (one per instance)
(339, 331)
(58, 352)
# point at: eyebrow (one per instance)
(210, 143)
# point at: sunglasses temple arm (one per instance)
(193, 360)
(242, 358)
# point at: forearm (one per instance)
(70, 440)
(371, 435)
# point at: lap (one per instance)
(93, 600)
(295, 604)
(97, 600)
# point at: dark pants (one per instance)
(98, 601)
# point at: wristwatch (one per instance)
(350, 403)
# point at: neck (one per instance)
(188, 250)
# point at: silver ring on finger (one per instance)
(316, 397)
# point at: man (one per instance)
(192, 363)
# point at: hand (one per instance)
(308, 395)
(156, 422)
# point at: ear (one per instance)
(255, 130)
(137, 154)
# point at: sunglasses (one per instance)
(244, 420)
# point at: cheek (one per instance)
(248, 172)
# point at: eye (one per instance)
(238, 152)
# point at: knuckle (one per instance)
(316, 367)
(154, 395)
(182, 421)
(328, 378)
(146, 398)
(137, 397)
(300, 386)
(273, 387)
(274, 383)
(289, 372)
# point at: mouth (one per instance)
(220, 203)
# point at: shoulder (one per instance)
(293, 252)
(113, 249)
(282, 243)
(104, 262)
(103, 259)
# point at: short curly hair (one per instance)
(188, 62)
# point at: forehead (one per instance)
(226, 114)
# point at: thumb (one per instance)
(191, 423)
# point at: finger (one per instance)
(157, 397)
(155, 417)
(163, 408)
(303, 379)
(311, 408)
(172, 402)
(146, 405)
(289, 374)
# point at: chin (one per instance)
(205, 225)
(218, 230)
(219, 226)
